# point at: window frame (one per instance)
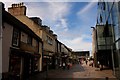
(29, 40)
(15, 30)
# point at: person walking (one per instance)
(86, 62)
(92, 63)
(64, 66)
(68, 66)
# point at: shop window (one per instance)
(16, 36)
(36, 64)
(15, 65)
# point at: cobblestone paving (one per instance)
(77, 72)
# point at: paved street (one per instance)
(83, 72)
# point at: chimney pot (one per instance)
(14, 5)
(17, 9)
(20, 4)
(17, 5)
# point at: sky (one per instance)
(71, 21)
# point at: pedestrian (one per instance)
(98, 66)
(86, 62)
(92, 63)
(68, 66)
(60, 66)
(64, 66)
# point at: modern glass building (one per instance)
(108, 19)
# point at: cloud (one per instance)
(11, 1)
(87, 8)
(87, 16)
(8, 3)
(79, 38)
(59, 10)
(48, 10)
(78, 44)
(56, 0)
(60, 0)
(62, 25)
(45, 10)
(52, 14)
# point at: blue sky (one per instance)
(71, 21)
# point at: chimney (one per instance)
(37, 20)
(17, 9)
(50, 31)
(55, 36)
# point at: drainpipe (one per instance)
(1, 36)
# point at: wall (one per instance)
(31, 24)
(0, 40)
(36, 29)
(7, 42)
(47, 46)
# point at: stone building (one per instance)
(43, 31)
(21, 49)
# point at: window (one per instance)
(49, 40)
(29, 40)
(37, 45)
(23, 37)
(15, 40)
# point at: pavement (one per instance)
(76, 72)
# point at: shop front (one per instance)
(47, 62)
(64, 58)
(22, 64)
